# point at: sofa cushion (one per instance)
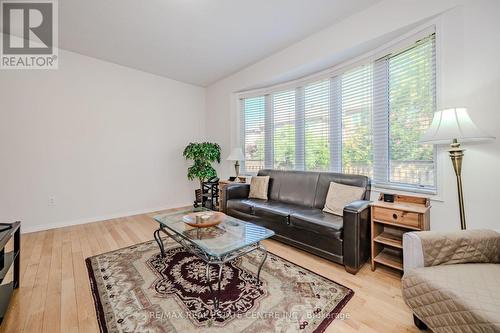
(261, 207)
(325, 178)
(339, 196)
(455, 298)
(273, 190)
(274, 207)
(317, 221)
(294, 187)
(240, 205)
(258, 187)
(298, 187)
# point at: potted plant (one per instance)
(203, 154)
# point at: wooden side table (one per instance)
(389, 221)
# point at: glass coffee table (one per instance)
(216, 245)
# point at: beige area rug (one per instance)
(135, 290)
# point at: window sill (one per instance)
(432, 194)
(248, 174)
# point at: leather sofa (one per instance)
(294, 211)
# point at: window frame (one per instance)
(381, 145)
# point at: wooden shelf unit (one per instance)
(391, 258)
(389, 221)
(390, 239)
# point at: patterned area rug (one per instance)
(135, 290)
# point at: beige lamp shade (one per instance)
(452, 124)
(236, 155)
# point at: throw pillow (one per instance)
(258, 187)
(339, 196)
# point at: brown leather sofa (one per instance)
(294, 212)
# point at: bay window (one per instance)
(366, 119)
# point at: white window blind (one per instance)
(284, 130)
(412, 103)
(356, 110)
(253, 125)
(405, 101)
(365, 120)
(316, 121)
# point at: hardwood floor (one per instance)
(54, 295)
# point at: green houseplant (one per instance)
(203, 154)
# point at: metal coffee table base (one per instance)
(211, 260)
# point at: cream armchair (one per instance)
(451, 280)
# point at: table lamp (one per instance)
(237, 156)
(449, 127)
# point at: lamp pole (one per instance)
(237, 168)
(456, 155)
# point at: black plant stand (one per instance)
(7, 259)
(208, 195)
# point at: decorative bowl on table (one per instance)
(204, 219)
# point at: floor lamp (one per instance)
(452, 126)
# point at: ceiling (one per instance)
(194, 41)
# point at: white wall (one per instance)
(104, 140)
(468, 75)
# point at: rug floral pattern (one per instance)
(184, 275)
(135, 290)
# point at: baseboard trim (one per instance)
(42, 227)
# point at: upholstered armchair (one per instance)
(452, 280)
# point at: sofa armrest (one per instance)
(357, 206)
(233, 191)
(431, 248)
(413, 256)
(356, 235)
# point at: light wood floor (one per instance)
(54, 295)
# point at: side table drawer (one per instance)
(396, 216)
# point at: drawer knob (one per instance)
(395, 216)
